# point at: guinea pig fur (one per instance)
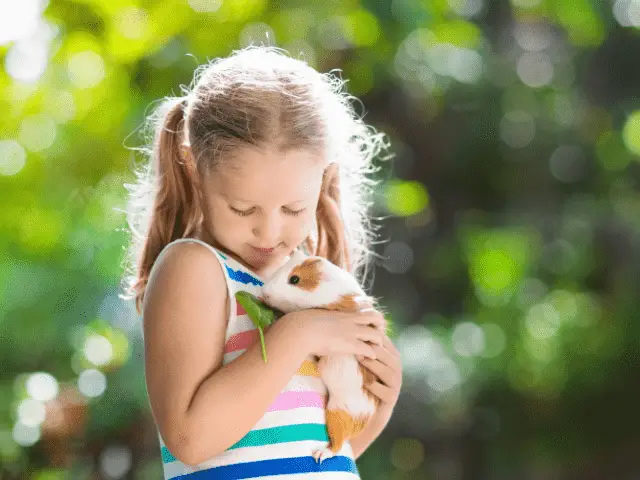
(305, 282)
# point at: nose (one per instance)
(268, 230)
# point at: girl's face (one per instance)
(269, 202)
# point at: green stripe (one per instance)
(289, 433)
(167, 457)
(270, 436)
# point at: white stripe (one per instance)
(242, 324)
(175, 469)
(303, 382)
(291, 417)
(231, 356)
(270, 452)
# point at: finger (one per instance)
(391, 347)
(380, 370)
(369, 334)
(367, 351)
(387, 357)
(384, 393)
(382, 321)
(370, 319)
(380, 338)
(379, 331)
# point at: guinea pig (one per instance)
(305, 282)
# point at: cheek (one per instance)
(305, 225)
(225, 221)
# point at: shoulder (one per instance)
(186, 251)
(184, 270)
(186, 256)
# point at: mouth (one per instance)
(264, 250)
(262, 255)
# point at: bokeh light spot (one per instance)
(115, 461)
(406, 198)
(205, 5)
(517, 128)
(25, 435)
(98, 350)
(495, 340)
(631, 133)
(42, 386)
(407, 454)
(468, 339)
(86, 69)
(12, 157)
(92, 383)
(133, 22)
(37, 132)
(399, 257)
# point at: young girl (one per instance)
(263, 156)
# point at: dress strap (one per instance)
(196, 240)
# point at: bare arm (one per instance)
(201, 407)
(232, 400)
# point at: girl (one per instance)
(263, 156)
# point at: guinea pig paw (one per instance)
(323, 454)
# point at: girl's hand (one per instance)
(330, 332)
(387, 366)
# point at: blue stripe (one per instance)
(242, 277)
(280, 466)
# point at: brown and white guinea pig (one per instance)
(305, 282)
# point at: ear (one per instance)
(310, 262)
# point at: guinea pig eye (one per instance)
(294, 280)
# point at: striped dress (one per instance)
(281, 444)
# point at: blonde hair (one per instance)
(258, 97)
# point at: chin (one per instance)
(259, 262)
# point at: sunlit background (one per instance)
(511, 223)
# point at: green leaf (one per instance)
(249, 303)
(259, 313)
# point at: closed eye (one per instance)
(244, 213)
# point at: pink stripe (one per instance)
(241, 340)
(240, 309)
(297, 399)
